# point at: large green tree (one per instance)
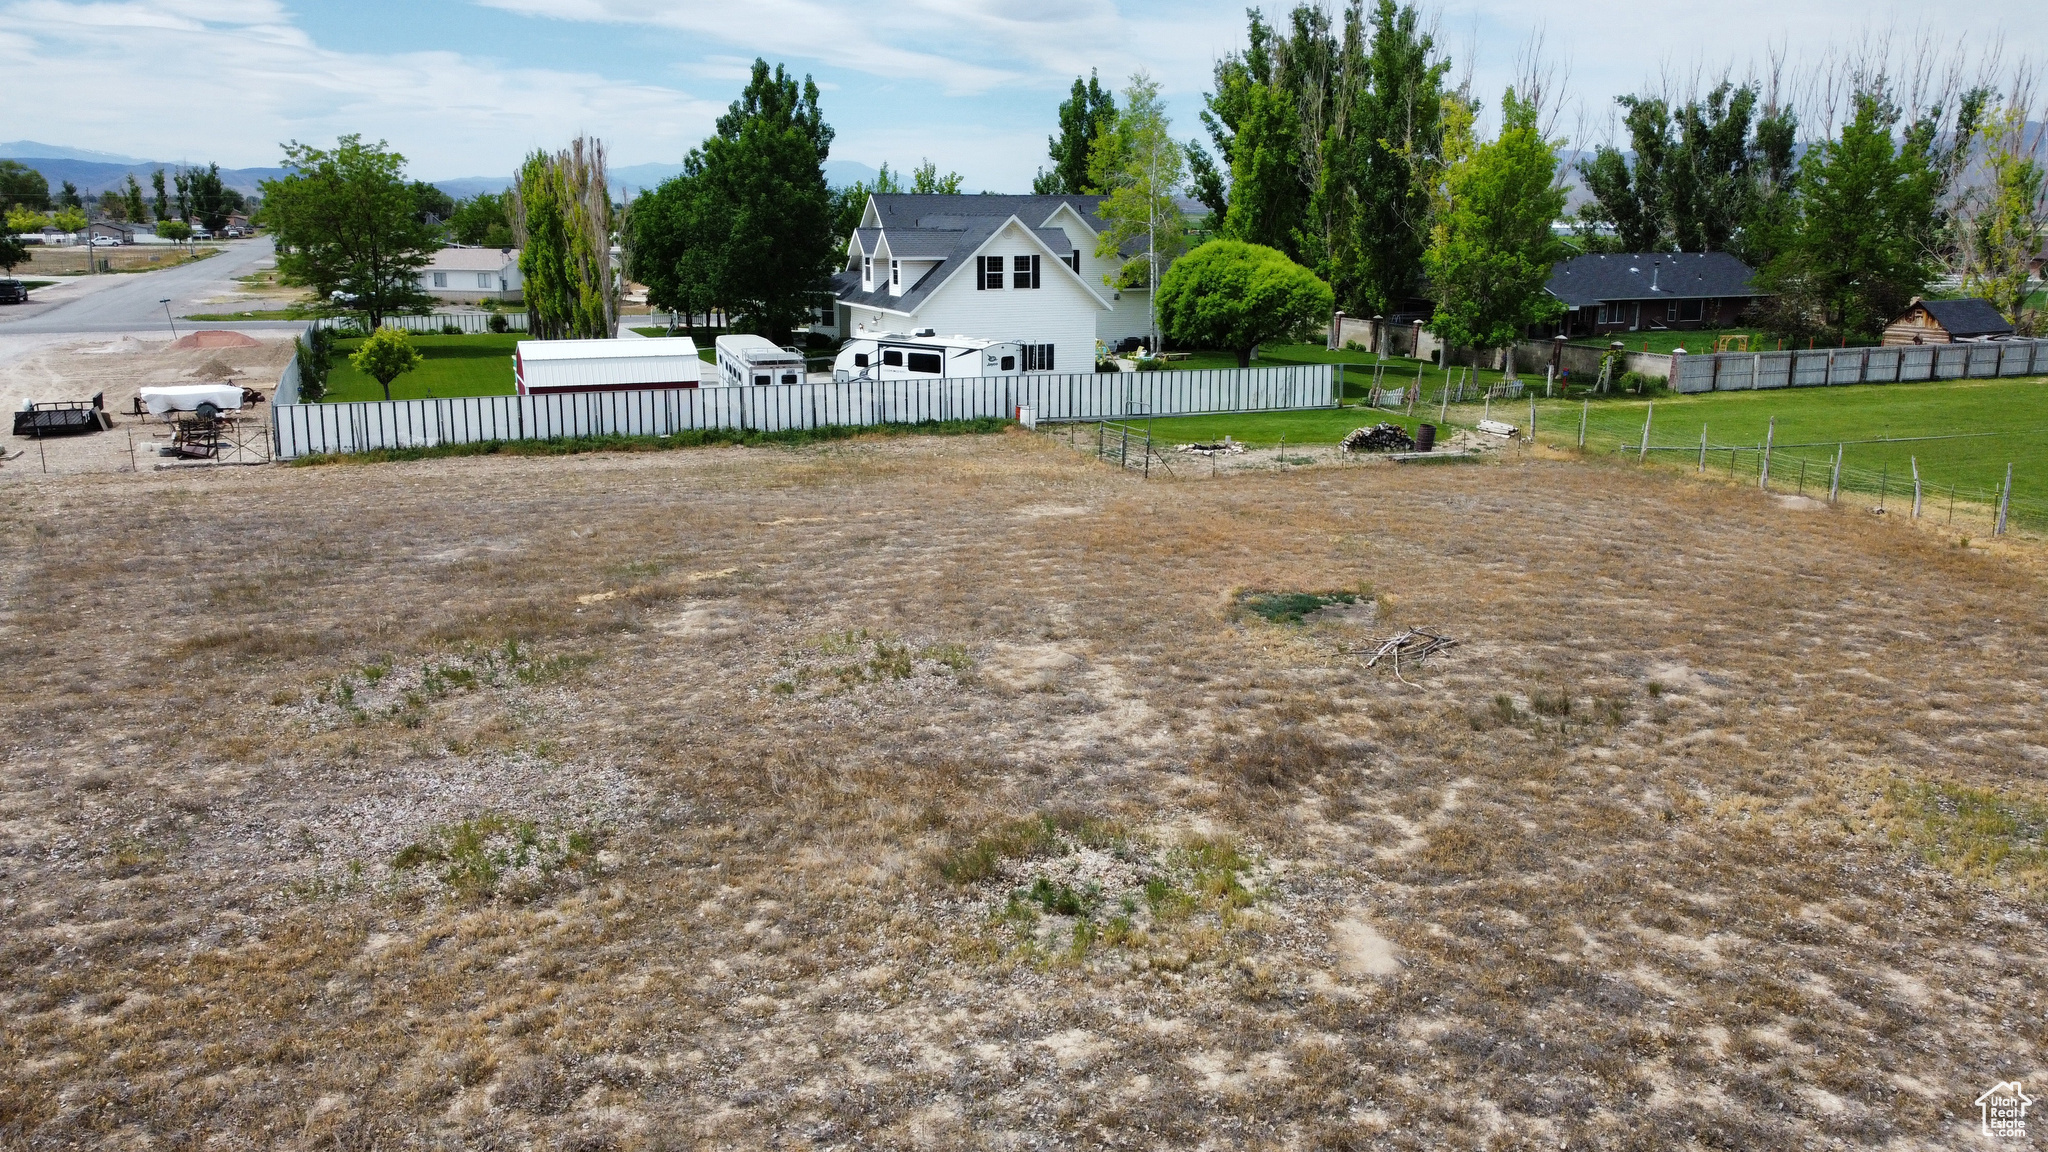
(1868, 223)
(672, 248)
(211, 199)
(12, 252)
(562, 218)
(1140, 167)
(766, 208)
(431, 206)
(23, 187)
(344, 226)
(482, 220)
(2007, 230)
(1084, 116)
(1233, 295)
(1492, 248)
(925, 178)
(131, 201)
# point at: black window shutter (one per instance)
(1034, 270)
(981, 273)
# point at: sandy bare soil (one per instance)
(936, 793)
(117, 366)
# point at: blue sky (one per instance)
(465, 87)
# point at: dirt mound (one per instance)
(214, 338)
(215, 368)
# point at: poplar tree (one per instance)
(1139, 166)
(1084, 116)
(163, 203)
(2007, 231)
(562, 220)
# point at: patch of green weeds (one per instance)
(1970, 831)
(476, 858)
(1032, 838)
(1557, 704)
(1292, 607)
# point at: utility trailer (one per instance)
(62, 417)
(748, 361)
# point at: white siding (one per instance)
(1130, 316)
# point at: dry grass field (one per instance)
(938, 793)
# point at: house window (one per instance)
(867, 272)
(1038, 357)
(926, 362)
(483, 281)
(440, 279)
(1023, 271)
(892, 358)
(988, 272)
(1670, 310)
(1691, 310)
(895, 274)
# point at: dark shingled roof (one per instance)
(1596, 279)
(1966, 318)
(949, 228)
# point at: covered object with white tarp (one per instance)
(544, 367)
(164, 399)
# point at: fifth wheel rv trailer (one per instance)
(749, 360)
(894, 356)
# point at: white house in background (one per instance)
(1019, 269)
(472, 275)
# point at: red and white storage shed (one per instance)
(546, 366)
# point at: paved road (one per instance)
(132, 301)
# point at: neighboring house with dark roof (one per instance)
(1947, 322)
(1019, 268)
(1648, 291)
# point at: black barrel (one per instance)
(1425, 437)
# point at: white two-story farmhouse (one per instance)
(1010, 268)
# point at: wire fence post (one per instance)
(2004, 498)
(1584, 407)
(1703, 448)
(1643, 452)
(1835, 482)
(1532, 420)
(1915, 460)
(1443, 416)
(1763, 475)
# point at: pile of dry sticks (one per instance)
(1415, 643)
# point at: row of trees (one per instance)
(200, 196)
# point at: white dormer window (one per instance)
(867, 273)
(895, 274)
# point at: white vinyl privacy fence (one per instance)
(1740, 371)
(303, 429)
(471, 323)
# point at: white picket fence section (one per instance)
(303, 429)
(471, 323)
(1819, 367)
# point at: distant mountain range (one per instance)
(633, 178)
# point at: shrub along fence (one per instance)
(1740, 371)
(303, 429)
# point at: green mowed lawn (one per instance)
(479, 365)
(1809, 423)
(1694, 340)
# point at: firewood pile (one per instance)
(1378, 438)
(1416, 644)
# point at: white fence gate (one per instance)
(1740, 371)
(303, 429)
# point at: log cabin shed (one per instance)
(1947, 322)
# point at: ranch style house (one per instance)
(1019, 268)
(1649, 291)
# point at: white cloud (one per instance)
(233, 80)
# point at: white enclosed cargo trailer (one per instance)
(923, 356)
(542, 367)
(750, 360)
